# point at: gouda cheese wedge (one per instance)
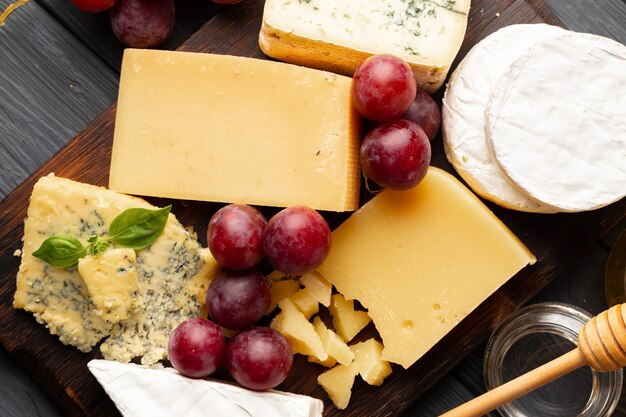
(421, 260)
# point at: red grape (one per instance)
(237, 299)
(425, 113)
(383, 87)
(235, 236)
(197, 347)
(142, 23)
(296, 240)
(259, 358)
(93, 6)
(396, 154)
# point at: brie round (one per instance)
(463, 112)
(556, 122)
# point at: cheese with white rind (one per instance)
(463, 113)
(338, 36)
(556, 122)
(421, 260)
(139, 392)
(172, 274)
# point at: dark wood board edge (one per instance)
(92, 147)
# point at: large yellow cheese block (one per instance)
(231, 129)
(421, 260)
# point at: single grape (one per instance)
(383, 88)
(396, 154)
(259, 358)
(296, 240)
(197, 347)
(142, 23)
(425, 113)
(237, 299)
(93, 6)
(235, 236)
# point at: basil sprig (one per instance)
(135, 228)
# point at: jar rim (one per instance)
(558, 319)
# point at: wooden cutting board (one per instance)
(555, 239)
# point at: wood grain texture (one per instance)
(556, 240)
(50, 87)
(94, 29)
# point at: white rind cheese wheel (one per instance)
(556, 122)
(463, 112)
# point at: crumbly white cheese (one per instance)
(138, 392)
(556, 122)
(463, 112)
(173, 273)
(111, 280)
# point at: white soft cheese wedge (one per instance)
(463, 113)
(145, 392)
(556, 122)
(338, 36)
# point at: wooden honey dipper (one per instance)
(601, 345)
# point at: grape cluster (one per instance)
(396, 153)
(294, 241)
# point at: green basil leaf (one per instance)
(61, 250)
(138, 228)
(97, 245)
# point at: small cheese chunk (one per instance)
(111, 280)
(298, 330)
(280, 290)
(421, 260)
(339, 35)
(368, 361)
(335, 347)
(337, 382)
(319, 287)
(306, 302)
(239, 130)
(347, 321)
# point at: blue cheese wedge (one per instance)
(172, 274)
(111, 280)
(338, 35)
(138, 391)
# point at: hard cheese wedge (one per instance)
(238, 130)
(339, 35)
(421, 260)
(139, 392)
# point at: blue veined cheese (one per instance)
(172, 274)
(338, 35)
(111, 280)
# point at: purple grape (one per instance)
(259, 358)
(237, 299)
(296, 240)
(142, 23)
(235, 236)
(197, 347)
(396, 154)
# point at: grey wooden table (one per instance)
(59, 69)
